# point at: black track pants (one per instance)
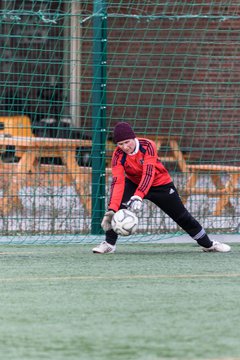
(166, 197)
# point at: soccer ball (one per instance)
(124, 222)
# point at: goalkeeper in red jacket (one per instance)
(137, 174)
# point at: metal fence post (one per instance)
(99, 113)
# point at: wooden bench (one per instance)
(33, 149)
(45, 176)
(19, 126)
(222, 190)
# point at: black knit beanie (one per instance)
(123, 131)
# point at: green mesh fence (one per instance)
(71, 69)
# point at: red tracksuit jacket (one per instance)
(143, 168)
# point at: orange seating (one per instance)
(223, 189)
(15, 126)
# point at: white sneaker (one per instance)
(104, 248)
(218, 247)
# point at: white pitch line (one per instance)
(120, 277)
(24, 252)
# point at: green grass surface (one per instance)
(145, 302)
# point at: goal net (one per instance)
(72, 69)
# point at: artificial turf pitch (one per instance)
(145, 302)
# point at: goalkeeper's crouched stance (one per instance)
(137, 174)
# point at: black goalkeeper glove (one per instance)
(135, 204)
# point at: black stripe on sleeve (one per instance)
(150, 148)
(147, 178)
(117, 154)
